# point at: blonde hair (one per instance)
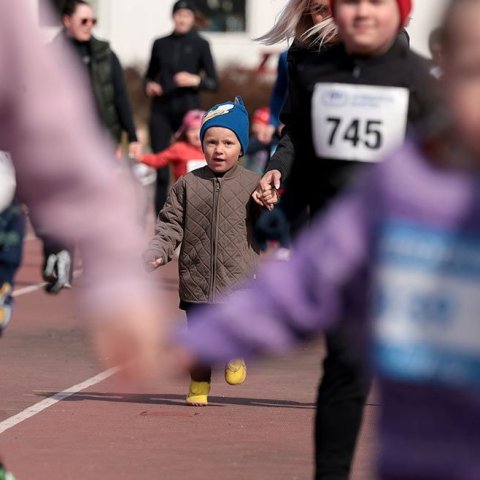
(295, 22)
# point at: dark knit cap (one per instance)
(189, 5)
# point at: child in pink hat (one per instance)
(185, 154)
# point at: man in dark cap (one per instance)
(180, 66)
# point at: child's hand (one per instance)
(270, 197)
(266, 193)
(152, 261)
(153, 89)
(135, 150)
(156, 263)
(138, 157)
(185, 79)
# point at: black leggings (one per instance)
(341, 398)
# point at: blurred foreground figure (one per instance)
(64, 175)
(400, 254)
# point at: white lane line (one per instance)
(29, 289)
(38, 286)
(58, 397)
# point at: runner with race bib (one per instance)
(345, 110)
(348, 104)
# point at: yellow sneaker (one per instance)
(235, 371)
(198, 394)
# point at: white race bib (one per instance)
(358, 122)
(427, 306)
(195, 165)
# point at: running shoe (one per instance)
(57, 271)
(4, 474)
(5, 306)
(236, 371)
(198, 394)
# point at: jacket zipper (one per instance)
(213, 261)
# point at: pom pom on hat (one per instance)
(231, 115)
(404, 6)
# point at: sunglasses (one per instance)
(86, 21)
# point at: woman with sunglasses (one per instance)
(104, 70)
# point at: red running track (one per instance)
(260, 430)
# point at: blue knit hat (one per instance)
(231, 115)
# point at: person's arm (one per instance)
(168, 229)
(284, 156)
(64, 172)
(279, 92)
(209, 79)
(277, 171)
(426, 106)
(161, 159)
(153, 70)
(281, 163)
(122, 102)
(151, 80)
(291, 300)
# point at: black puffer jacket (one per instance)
(180, 53)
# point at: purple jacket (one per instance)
(404, 247)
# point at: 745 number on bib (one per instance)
(357, 131)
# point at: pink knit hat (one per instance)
(192, 119)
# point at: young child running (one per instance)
(186, 154)
(400, 254)
(210, 212)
